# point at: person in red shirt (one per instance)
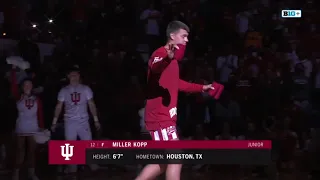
(162, 95)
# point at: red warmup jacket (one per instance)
(162, 89)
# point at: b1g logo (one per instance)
(291, 13)
(67, 151)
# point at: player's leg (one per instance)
(70, 134)
(31, 157)
(20, 152)
(84, 133)
(151, 171)
(173, 171)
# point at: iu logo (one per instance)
(29, 103)
(67, 151)
(75, 97)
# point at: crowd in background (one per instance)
(269, 65)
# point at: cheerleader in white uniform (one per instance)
(29, 122)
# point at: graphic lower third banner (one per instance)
(153, 156)
(206, 152)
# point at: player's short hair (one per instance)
(175, 26)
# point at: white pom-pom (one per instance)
(42, 137)
(18, 61)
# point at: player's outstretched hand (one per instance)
(171, 48)
(207, 87)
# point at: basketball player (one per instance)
(162, 95)
(29, 122)
(76, 97)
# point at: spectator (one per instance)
(255, 64)
(317, 81)
(292, 55)
(252, 132)
(226, 133)
(253, 38)
(288, 145)
(227, 64)
(305, 62)
(300, 83)
(227, 110)
(151, 18)
(242, 23)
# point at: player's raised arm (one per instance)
(192, 87)
(161, 58)
(189, 87)
(158, 63)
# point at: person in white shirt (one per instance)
(303, 60)
(226, 65)
(308, 67)
(242, 23)
(76, 97)
(151, 17)
(307, 64)
(292, 55)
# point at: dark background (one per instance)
(274, 95)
